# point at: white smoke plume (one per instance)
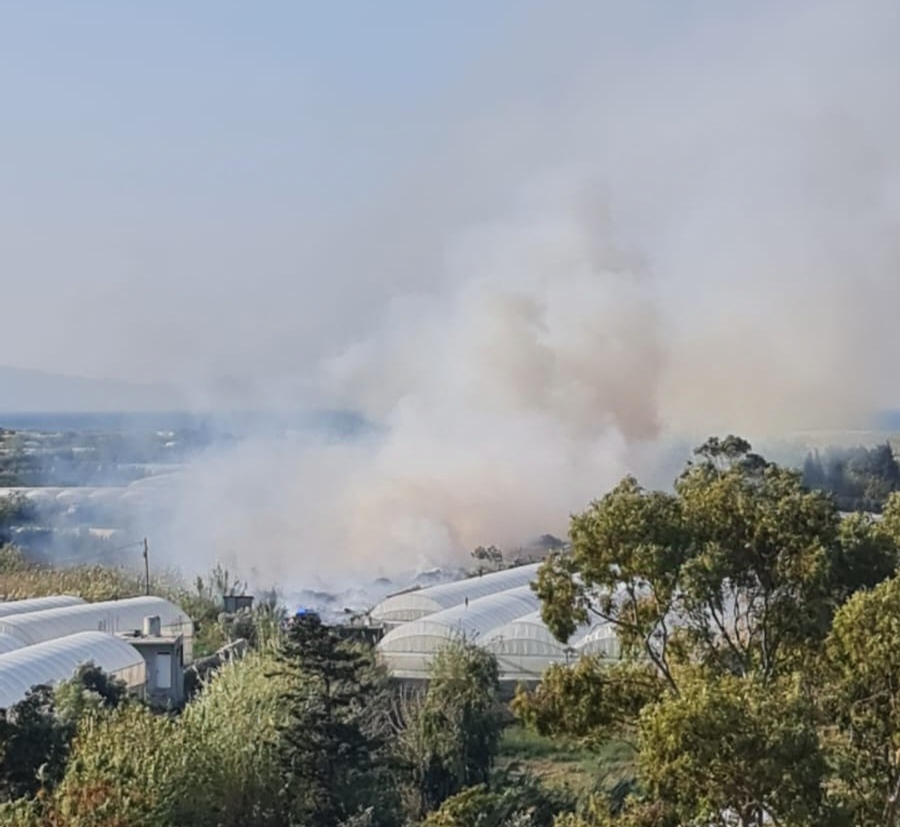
(629, 228)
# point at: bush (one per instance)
(216, 766)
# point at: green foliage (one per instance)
(216, 766)
(566, 764)
(592, 700)
(129, 768)
(459, 722)
(862, 698)
(867, 555)
(735, 744)
(333, 757)
(512, 800)
(89, 690)
(15, 509)
(861, 479)
(757, 587)
(36, 733)
(34, 744)
(605, 811)
(722, 594)
(236, 724)
(890, 519)
(490, 558)
(738, 569)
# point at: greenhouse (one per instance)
(601, 640)
(413, 605)
(8, 643)
(525, 647)
(112, 616)
(56, 660)
(38, 604)
(408, 650)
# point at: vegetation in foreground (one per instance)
(761, 640)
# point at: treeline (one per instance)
(761, 641)
(861, 478)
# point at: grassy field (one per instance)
(566, 764)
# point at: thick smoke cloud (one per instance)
(698, 235)
(627, 229)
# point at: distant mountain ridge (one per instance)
(23, 390)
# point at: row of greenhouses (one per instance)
(143, 641)
(498, 611)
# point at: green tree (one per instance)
(458, 723)
(862, 698)
(333, 757)
(860, 478)
(217, 765)
(592, 700)
(34, 745)
(722, 594)
(890, 524)
(489, 558)
(512, 800)
(737, 569)
(234, 726)
(735, 750)
(128, 768)
(90, 688)
(36, 733)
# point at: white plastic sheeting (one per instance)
(408, 650)
(413, 605)
(602, 641)
(38, 604)
(525, 647)
(112, 616)
(8, 643)
(57, 660)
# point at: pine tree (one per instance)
(332, 758)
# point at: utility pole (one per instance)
(146, 567)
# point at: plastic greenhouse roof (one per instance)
(601, 640)
(412, 605)
(57, 660)
(114, 616)
(8, 643)
(534, 635)
(471, 622)
(37, 604)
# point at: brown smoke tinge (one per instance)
(700, 236)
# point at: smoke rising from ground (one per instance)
(699, 236)
(626, 229)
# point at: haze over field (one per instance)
(537, 244)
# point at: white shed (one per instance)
(408, 650)
(112, 616)
(56, 660)
(418, 603)
(38, 604)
